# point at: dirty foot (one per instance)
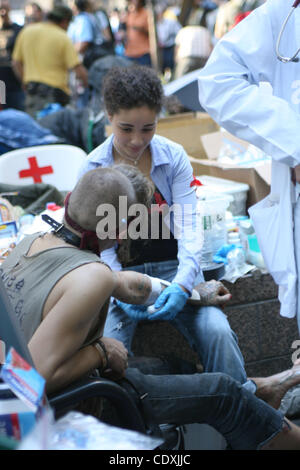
(272, 389)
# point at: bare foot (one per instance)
(272, 389)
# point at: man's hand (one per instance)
(212, 293)
(81, 74)
(117, 358)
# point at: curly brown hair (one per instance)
(144, 190)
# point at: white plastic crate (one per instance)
(219, 186)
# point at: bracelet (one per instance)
(99, 345)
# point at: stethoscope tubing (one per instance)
(282, 58)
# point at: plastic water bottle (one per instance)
(25, 223)
(212, 212)
(207, 247)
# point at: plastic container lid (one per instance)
(213, 204)
(221, 185)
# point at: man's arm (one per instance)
(18, 69)
(81, 47)
(135, 288)
(107, 34)
(131, 287)
(81, 74)
(70, 312)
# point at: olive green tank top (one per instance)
(30, 279)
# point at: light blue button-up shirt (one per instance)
(172, 174)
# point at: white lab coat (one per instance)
(229, 91)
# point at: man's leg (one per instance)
(208, 332)
(15, 100)
(245, 421)
(119, 326)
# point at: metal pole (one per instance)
(154, 52)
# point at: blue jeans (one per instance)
(206, 329)
(142, 60)
(15, 99)
(245, 421)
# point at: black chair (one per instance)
(128, 414)
(11, 336)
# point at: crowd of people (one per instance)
(90, 32)
(74, 331)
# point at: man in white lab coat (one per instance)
(229, 90)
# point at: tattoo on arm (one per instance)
(208, 291)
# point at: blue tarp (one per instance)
(19, 130)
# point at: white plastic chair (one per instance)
(57, 165)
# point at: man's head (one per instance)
(82, 5)
(33, 13)
(60, 15)
(107, 193)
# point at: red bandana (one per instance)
(89, 239)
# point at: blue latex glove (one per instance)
(221, 255)
(170, 302)
(136, 312)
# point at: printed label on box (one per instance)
(23, 380)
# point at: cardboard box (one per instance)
(16, 418)
(185, 129)
(258, 176)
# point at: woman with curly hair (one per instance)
(133, 98)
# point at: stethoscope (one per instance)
(294, 58)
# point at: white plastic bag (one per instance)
(272, 218)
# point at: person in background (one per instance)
(166, 33)
(82, 29)
(33, 13)
(90, 32)
(103, 22)
(198, 12)
(193, 45)
(118, 30)
(137, 44)
(14, 94)
(229, 12)
(43, 56)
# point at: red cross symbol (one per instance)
(35, 171)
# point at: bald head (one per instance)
(96, 187)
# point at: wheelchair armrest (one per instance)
(99, 387)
